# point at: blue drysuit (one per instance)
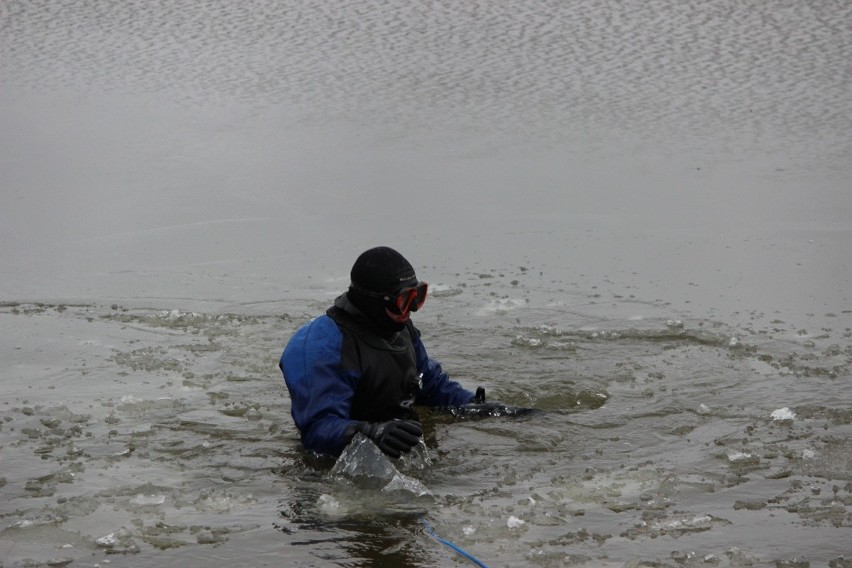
(339, 371)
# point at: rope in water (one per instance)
(455, 548)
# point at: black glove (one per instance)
(478, 407)
(480, 395)
(394, 437)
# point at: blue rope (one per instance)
(457, 549)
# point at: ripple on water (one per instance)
(740, 76)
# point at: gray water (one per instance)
(634, 216)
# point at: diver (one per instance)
(362, 365)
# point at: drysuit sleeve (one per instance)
(437, 388)
(320, 391)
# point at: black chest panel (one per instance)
(387, 367)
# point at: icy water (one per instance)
(635, 217)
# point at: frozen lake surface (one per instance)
(634, 216)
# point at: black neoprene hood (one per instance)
(382, 269)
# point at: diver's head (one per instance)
(385, 287)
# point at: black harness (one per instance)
(386, 365)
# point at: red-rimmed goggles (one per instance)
(411, 298)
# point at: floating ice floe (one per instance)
(444, 291)
(177, 314)
(695, 524)
(108, 540)
(119, 542)
(783, 414)
(499, 306)
(740, 457)
(23, 524)
(329, 505)
(148, 500)
(528, 341)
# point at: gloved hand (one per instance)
(478, 407)
(394, 437)
(479, 398)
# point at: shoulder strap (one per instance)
(415, 333)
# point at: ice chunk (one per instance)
(783, 414)
(148, 500)
(740, 457)
(364, 464)
(402, 482)
(367, 467)
(696, 524)
(119, 542)
(329, 505)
